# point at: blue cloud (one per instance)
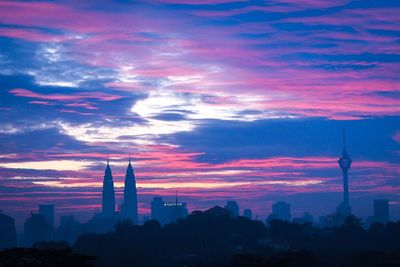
(224, 141)
(44, 139)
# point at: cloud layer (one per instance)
(221, 99)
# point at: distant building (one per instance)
(281, 211)
(69, 229)
(381, 211)
(175, 210)
(157, 210)
(323, 221)
(233, 207)
(306, 218)
(167, 212)
(37, 229)
(8, 234)
(68, 221)
(248, 213)
(101, 223)
(47, 211)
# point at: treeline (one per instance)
(214, 238)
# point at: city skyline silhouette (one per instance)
(111, 213)
(117, 113)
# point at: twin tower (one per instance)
(129, 207)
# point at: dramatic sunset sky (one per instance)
(243, 100)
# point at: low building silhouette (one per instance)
(8, 234)
(157, 210)
(36, 229)
(47, 211)
(281, 211)
(233, 207)
(69, 229)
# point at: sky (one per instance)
(219, 100)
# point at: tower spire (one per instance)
(108, 196)
(130, 208)
(344, 139)
(345, 164)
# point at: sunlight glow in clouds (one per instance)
(141, 134)
(194, 107)
(60, 165)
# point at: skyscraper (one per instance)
(233, 207)
(108, 200)
(381, 210)
(168, 212)
(281, 211)
(130, 208)
(345, 161)
(47, 211)
(8, 233)
(157, 210)
(36, 229)
(175, 210)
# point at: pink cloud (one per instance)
(85, 105)
(77, 112)
(31, 35)
(45, 103)
(65, 97)
(226, 63)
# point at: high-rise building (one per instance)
(69, 229)
(381, 210)
(233, 207)
(36, 229)
(47, 211)
(345, 161)
(108, 198)
(8, 234)
(157, 210)
(175, 211)
(130, 206)
(248, 213)
(281, 211)
(168, 212)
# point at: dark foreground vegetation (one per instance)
(213, 238)
(52, 257)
